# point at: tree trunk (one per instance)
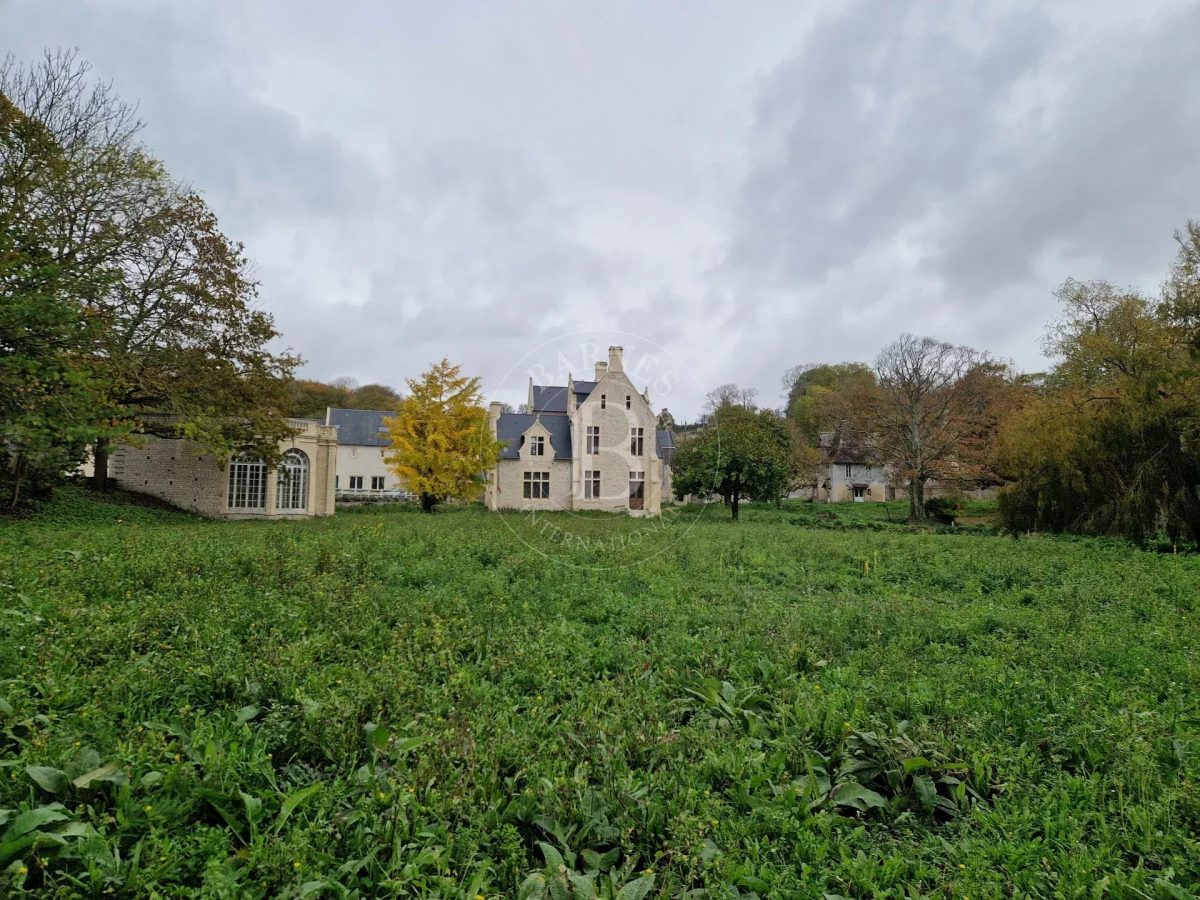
(916, 500)
(100, 459)
(428, 501)
(737, 491)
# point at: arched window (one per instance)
(292, 488)
(247, 483)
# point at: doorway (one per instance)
(637, 490)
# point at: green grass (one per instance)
(456, 705)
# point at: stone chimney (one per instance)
(601, 370)
(494, 410)
(614, 359)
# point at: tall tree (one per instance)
(184, 349)
(178, 344)
(1112, 444)
(65, 194)
(928, 415)
(442, 445)
(814, 395)
(740, 453)
(729, 395)
(49, 399)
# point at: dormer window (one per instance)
(537, 446)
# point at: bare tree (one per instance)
(729, 395)
(928, 417)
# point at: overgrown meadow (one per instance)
(815, 701)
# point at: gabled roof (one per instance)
(511, 427)
(360, 427)
(553, 398)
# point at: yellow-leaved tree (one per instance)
(441, 443)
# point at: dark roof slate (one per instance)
(553, 398)
(511, 427)
(664, 443)
(360, 427)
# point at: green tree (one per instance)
(1111, 445)
(442, 445)
(376, 396)
(740, 453)
(813, 395)
(183, 348)
(177, 344)
(49, 398)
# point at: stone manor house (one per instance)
(583, 445)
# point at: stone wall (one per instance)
(183, 474)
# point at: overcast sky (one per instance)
(740, 186)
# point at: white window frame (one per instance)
(591, 484)
(378, 482)
(356, 482)
(593, 440)
(637, 444)
(291, 481)
(537, 445)
(247, 483)
(849, 470)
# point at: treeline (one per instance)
(1106, 442)
(1110, 441)
(928, 411)
(126, 311)
(308, 399)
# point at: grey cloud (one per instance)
(747, 188)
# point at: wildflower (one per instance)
(22, 870)
(296, 865)
(647, 872)
(479, 897)
(148, 808)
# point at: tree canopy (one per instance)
(740, 453)
(442, 445)
(135, 307)
(929, 414)
(1111, 443)
(308, 399)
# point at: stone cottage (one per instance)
(850, 476)
(583, 445)
(183, 474)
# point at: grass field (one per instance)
(811, 702)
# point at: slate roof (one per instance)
(511, 426)
(360, 427)
(664, 443)
(553, 398)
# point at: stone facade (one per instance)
(850, 476)
(183, 474)
(595, 442)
